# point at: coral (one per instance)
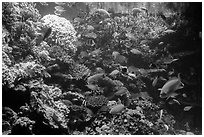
(22, 125)
(96, 102)
(79, 71)
(61, 38)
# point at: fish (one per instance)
(83, 54)
(115, 54)
(60, 3)
(103, 11)
(92, 87)
(91, 35)
(121, 92)
(130, 36)
(58, 13)
(47, 34)
(114, 73)
(99, 70)
(67, 102)
(173, 101)
(117, 109)
(94, 78)
(161, 43)
(120, 59)
(132, 75)
(169, 88)
(59, 8)
(154, 82)
(133, 70)
(169, 31)
(96, 52)
(90, 27)
(144, 42)
(44, 3)
(187, 108)
(136, 51)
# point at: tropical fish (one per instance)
(144, 42)
(114, 73)
(187, 108)
(120, 59)
(132, 69)
(132, 75)
(161, 43)
(121, 91)
(91, 35)
(92, 87)
(115, 54)
(58, 13)
(103, 11)
(83, 54)
(59, 8)
(173, 101)
(169, 31)
(60, 3)
(48, 32)
(67, 102)
(90, 27)
(130, 36)
(94, 78)
(169, 88)
(136, 51)
(154, 82)
(96, 52)
(117, 109)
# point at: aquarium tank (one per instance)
(101, 68)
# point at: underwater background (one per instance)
(101, 68)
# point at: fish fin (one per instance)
(173, 95)
(159, 89)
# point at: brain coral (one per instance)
(62, 36)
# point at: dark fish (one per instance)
(47, 34)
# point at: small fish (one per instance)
(47, 34)
(44, 3)
(103, 11)
(161, 43)
(184, 95)
(77, 43)
(99, 70)
(154, 82)
(169, 31)
(173, 101)
(90, 27)
(58, 13)
(59, 8)
(169, 88)
(114, 73)
(121, 92)
(96, 52)
(67, 102)
(91, 35)
(132, 75)
(60, 3)
(92, 87)
(161, 114)
(83, 54)
(187, 108)
(144, 42)
(115, 54)
(130, 36)
(117, 109)
(120, 59)
(136, 51)
(94, 78)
